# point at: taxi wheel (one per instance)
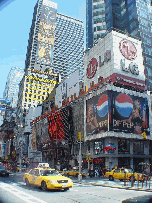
(68, 175)
(76, 175)
(66, 189)
(27, 182)
(43, 186)
(111, 178)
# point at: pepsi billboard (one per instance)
(97, 114)
(128, 113)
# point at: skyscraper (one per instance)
(68, 46)
(131, 17)
(55, 41)
(55, 50)
(12, 85)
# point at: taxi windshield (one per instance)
(49, 173)
(128, 170)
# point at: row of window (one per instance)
(96, 6)
(123, 147)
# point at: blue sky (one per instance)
(16, 18)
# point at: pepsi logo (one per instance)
(92, 68)
(124, 105)
(102, 106)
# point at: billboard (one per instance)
(97, 114)
(56, 125)
(34, 138)
(67, 88)
(115, 54)
(118, 112)
(128, 113)
(46, 32)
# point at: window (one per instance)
(138, 147)
(36, 172)
(98, 147)
(32, 172)
(116, 170)
(123, 146)
(122, 171)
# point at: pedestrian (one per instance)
(96, 173)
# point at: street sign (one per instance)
(144, 135)
(79, 136)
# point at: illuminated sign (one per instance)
(97, 114)
(128, 49)
(129, 113)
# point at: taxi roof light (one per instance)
(43, 165)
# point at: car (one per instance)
(125, 174)
(3, 171)
(47, 178)
(23, 168)
(73, 172)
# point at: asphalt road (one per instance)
(13, 190)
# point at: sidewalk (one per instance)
(114, 184)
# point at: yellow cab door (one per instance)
(30, 176)
(36, 178)
(123, 175)
(116, 173)
(71, 173)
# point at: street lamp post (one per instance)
(80, 159)
(21, 126)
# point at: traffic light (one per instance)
(144, 135)
(79, 136)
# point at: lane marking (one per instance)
(22, 195)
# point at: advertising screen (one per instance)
(46, 33)
(56, 125)
(129, 113)
(34, 137)
(97, 114)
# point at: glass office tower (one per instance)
(132, 17)
(68, 46)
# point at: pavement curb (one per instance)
(118, 187)
(126, 188)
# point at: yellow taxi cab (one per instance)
(125, 174)
(73, 172)
(23, 168)
(46, 178)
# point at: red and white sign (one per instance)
(116, 53)
(128, 49)
(92, 68)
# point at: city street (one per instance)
(13, 189)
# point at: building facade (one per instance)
(68, 46)
(12, 85)
(130, 17)
(117, 110)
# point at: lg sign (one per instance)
(93, 64)
(128, 49)
(92, 68)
